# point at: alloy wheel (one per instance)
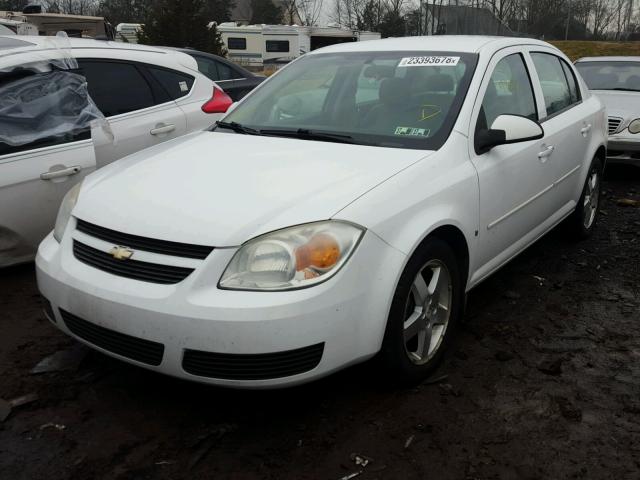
(427, 312)
(591, 199)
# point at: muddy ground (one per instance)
(544, 382)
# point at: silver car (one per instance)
(616, 80)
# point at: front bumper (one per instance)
(622, 149)
(346, 315)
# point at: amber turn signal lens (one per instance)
(322, 251)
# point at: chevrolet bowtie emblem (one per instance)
(121, 253)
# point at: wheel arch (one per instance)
(601, 153)
(453, 236)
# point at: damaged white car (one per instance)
(53, 90)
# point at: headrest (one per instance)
(379, 71)
(439, 82)
(604, 80)
(392, 90)
(633, 82)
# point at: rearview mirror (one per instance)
(507, 129)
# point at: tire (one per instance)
(582, 221)
(404, 354)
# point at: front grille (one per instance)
(614, 124)
(142, 243)
(135, 269)
(261, 366)
(144, 351)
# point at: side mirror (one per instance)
(508, 129)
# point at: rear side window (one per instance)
(117, 87)
(572, 81)
(177, 84)
(236, 43)
(509, 92)
(555, 88)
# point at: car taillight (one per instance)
(218, 103)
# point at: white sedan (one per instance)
(616, 81)
(147, 95)
(341, 210)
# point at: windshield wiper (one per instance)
(306, 134)
(237, 127)
(626, 89)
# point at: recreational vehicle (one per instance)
(255, 46)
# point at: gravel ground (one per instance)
(543, 382)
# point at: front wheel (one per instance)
(583, 220)
(424, 313)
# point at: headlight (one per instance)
(634, 126)
(291, 258)
(64, 213)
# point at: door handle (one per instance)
(546, 152)
(64, 172)
(584, 130)
(162, 128)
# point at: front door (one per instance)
(33, 182)
(514, 179)
(45, 149)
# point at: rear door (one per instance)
(137, 100)
(567, 122)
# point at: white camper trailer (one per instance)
(16, 24)
(256, 45)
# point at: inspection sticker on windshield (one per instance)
(429, 61)
(414, 132)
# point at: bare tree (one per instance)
(71, 7)
(309, 11)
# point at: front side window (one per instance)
(610, 75)
(236, 43)
(555, 88)
(509, 92)
(277, 46)
(116, 87)
(40, 108)
(389, 99)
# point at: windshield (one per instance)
(389, 99)
(611, 75)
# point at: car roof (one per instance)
(618, 58)
(191, 51)
(102, 48)
(436, 43)
(45, 42)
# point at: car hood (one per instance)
(221, 189)
(620, 104)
